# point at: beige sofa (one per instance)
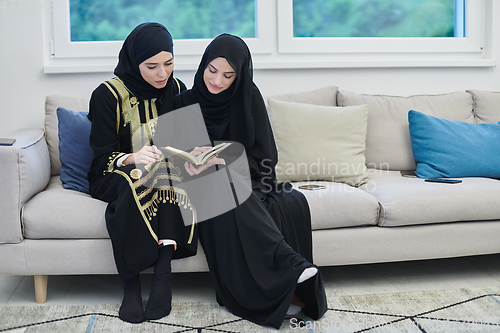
(48, 230)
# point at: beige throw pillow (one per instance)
(320, 142)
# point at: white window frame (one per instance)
(469, 44)
(65, 48)
(276, 48)
(379, 45)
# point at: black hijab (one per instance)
(144, 42)
(228, 115)
(238, 113)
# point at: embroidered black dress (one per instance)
(254, 270)
(139, 212)
(144, 201)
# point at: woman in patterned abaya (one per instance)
(256, 273)
(143, 216)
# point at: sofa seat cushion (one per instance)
(411, 201)
(57, 213)
(339, 205)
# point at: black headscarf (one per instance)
(144, 42)
(229, 113)
(238, 113)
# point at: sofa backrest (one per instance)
(52, 102)
(486, 106)
(323, 96)
(388, 143)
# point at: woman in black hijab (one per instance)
(255, 271)
(144, 223)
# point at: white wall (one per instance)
(23, 85)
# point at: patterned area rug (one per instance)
(466, 310)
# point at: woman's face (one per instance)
(218, 75)
(157, 69)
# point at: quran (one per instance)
(200, 159)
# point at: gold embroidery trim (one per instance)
(136, 174)
(195, 218)
(153, 172)
(178, 85)
(117, 107)
(111, 162)
(164, 194)
(146, 220)
(131, 114)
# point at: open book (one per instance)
(200, 159)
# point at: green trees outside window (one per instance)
(93, 20)
(375, 18)
(97, 20)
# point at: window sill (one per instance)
(108, 65)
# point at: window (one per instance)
(92, 28)
(377, 18)
(86, 35)
(97, 20)
(379, 26)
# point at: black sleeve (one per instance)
(104, 139)
(263, 155)
(183, 99)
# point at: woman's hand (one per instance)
(199, 150)
(193, 170)
(147, 154)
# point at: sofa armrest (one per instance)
(25, 171)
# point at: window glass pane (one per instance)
(97, 20)
(378, 18)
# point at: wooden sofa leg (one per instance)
(40, 288)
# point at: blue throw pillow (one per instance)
(454, 149)
(74, 149)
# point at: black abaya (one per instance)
(254, 269)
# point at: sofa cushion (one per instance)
(445, 149)
(388, 144)
(74, 149)
(57, 213)
(322, 96)
(339, 205)
(411, 201)
(52, 102)
(486, 106)
(318, 142)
